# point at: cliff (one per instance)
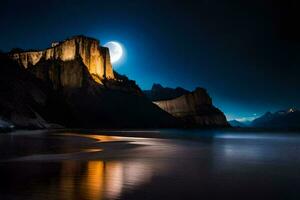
(94, 57)
(27, 102)
(195, 109)
(73, 84)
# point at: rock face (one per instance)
(195, 109)
(27, 102)
(88, 50)
(73, 84)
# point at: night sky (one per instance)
(245, 53)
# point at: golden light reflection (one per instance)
(100, 180)
(82, 180)
(92, 184)
(99, 138)
(92, 150)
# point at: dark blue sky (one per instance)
(245, 53)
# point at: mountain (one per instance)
(72, 83)
(236, 123)
(94, 58)
(159, 92)
(193, 108)
(289, 118)
(28, 102)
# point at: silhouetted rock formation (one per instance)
(28, 102)
(73, 84)
(194, 108)
(289, 118)
(158, 92)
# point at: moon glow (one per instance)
(115, 50)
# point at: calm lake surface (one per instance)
(167, 164)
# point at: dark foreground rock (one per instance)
(28, 102)
(158, 92)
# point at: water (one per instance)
(178, 165)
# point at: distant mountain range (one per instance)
(236, 123)
(289, 119)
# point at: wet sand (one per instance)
(105, 165)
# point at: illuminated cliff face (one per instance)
(94, 57)
(194, 108)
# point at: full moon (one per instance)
(115, 50)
